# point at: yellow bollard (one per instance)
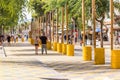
(32, 41)
(22, 39)
(39, 43)
(99, 56)
(29, 39)
(59, 47)
(70, 50)
(87, 53)
(64, 48)
(55, 46)
(115, 59)
(16, 39)
(48, 45)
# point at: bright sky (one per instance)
(28, 15)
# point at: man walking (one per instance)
(43, 40)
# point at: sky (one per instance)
(28, 16)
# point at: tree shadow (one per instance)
(17, 45)
(81, 67)
(33, 54)
(54, 79)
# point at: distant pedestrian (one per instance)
(36, 45)
(65, 37)
(43, 40)
(8, 40)
(1, 41)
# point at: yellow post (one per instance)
(55, 46)
(70, 50)
(22, 39)
(99, 56)
(48, 45)
(17, 39)
(115, 59)
(87, 54)
(59, 47)
(64, 48)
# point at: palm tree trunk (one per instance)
(62, 23)
(94, 22)
(66, 22)
(101, 34)
(111, 15)
(83, 21)
(57, 26)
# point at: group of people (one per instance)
(8, 38)
(43, 40)
(1, 40)
(11, 39)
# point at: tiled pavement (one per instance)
(22, 64)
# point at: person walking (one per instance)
(8, 40)
(43, 40)
(36, 45)
(1, 41)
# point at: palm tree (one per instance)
(75, 8)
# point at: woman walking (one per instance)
(36, 45)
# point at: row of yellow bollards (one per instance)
(65, 49)
(59, 47)
(12, 40)
(99, 56)
(99, 53)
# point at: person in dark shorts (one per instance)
(1, 41)
(43, 39)
(36, 45)
(8, 40)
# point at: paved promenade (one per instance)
(21, 63)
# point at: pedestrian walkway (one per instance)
(21, 63)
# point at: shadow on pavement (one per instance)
(39, 54)
(59, 66)
(24, 50)
(53, 79)
(25, 63)
(17, 45)
(75, 67)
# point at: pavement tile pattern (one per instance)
(21, 63)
